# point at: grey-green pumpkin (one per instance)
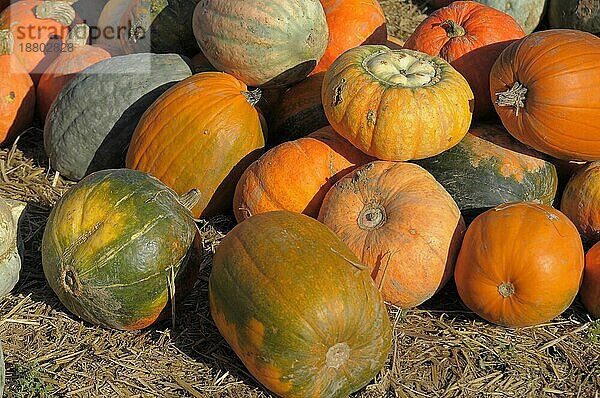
(90, 124)
(575, 14)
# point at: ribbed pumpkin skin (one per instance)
(351, 23)
(202, 134)
(489, 167)
(590, 288)
(558, 69)
(63, 70)
(160, 26)
(286, 296)
(296, 175)
(31, 33)
(575, 14)
(487, 32)
(532, 247)
(400, 222)
(83, 133)
(299, 111)
(262, 42)
(581, 202)
(393, 122)
(110, 245)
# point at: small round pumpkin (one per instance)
(401, 223)
(78, 56)
(297, 307)
(590, 288)
(202, 133)
(351, 23)
(296, 175)
(396, 104)
(17, 93)
(10, 244)
(575, 14)
(545, 90)
(470, 36)
(115, 244)
(520, 264)
(262, 42)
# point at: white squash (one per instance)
(10, 260)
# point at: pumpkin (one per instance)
(38, 28)
(546, 92)
(17, 93)
(580, 202)
(296, 175)
(110, 30)
(401, 223)
(470, 36)
(299, 111)
(297, 307)
(79, 55)
(396, 104)
(520, 264)
(351, 23)
(394, 43)
(115, 244)
(159, 27)
(218, 120)
(489, 167)
(590, 288)
(2, 372)
(262, 42)
(88, 11)
(89, 126)
(10, 244)
(575, 14)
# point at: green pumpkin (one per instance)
(489, 167)
(113, 245)
(297, 307)
(575, 14)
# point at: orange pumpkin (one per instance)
(520, 264)
(78, 56)
(17, 94)
(201, 133)
(39, 28)
(296, 175)
(400, 222)
(351, 23)
(546, 90)
(396, 104)
(590, 288)
(470, 36)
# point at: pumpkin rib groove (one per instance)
(138, 281)
(382, 95)
(352, 103)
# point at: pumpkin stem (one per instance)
(190, 199)
(506, 289)
(253, 97)
(7, 42)
(515, 97)
(79, 35)
(60, 11)
(452, 28)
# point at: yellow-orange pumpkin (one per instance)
(590, 288)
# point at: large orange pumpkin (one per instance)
(351, 23)
(546, 90)
(396, 104)
(78, 56)
(201, 133)
(296, 175)
(39, 28)
(470, 36)
(590, 288)
(17, 94)
(400, 222)
(520, 264)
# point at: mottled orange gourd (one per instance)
(590, 288)
(401, 223)
(202, 133)
(296, 175)
(520, 264)
(351, 23)
(581, 201)
(17, 94)
(77, 56)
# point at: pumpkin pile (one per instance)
(360, 169)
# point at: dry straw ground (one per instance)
(440, 349)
